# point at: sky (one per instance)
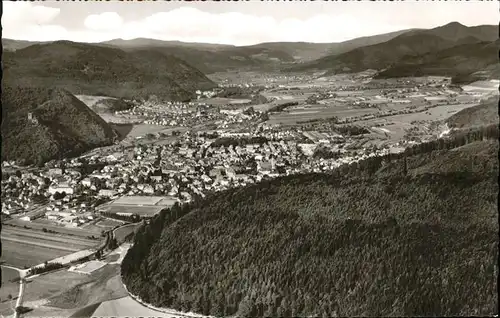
(237, 23)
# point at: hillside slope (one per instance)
(65, 125)
(209, 58)
(457, 61)
(377, 56)
(411, 44)
(384, 244)
(304, 51)
(484, 114)
(87, 69)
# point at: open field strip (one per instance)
(20, 254)
(34, 243)
(65, 239)
(40, 224)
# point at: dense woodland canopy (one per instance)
(408, 234)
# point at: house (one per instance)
(86, 182)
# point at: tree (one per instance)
(245, 308)
(59, 195)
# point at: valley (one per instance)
(143, 177)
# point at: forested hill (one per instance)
(60, 125)
(398, 237)
(88, 69)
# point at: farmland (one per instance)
(25, 247)
(64, 293)
(40, 224)
(8, 288)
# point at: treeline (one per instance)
(282, 107)
(134, 218)
(47, 267)
(351, 130)
(239, 141)
(325, 153)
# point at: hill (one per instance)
(459, 62)
(484, 114)
(457, 32)
(410, 44)
(14, 45)
(209, 58)
(87, 69)
(378, 56)
(304, 51)
(343, 244)
(61, 125)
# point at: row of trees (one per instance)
(47, 267)
(133, 218)
(240, 141)
(282, 107)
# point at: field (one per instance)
(63, 293)
(395, 125)
(314, 112)
(8, 288)
(140, 205)
(108, 223)
(88, 267)
(139, 210)
(126, 306)
(137, 200)
(123, 232)
(23, 247)
(219, 101)
(40, 224)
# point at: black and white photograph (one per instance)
(205, 159)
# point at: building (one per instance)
(53, 189)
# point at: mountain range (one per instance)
(394, 52)
(420, 46)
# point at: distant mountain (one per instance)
(148, 43)
(455, 32)
(412, 43)
(14, 45)
(209, 58)
(377, 56)
(304, 51)
(60, 125)
(459, 62)
(89, 69)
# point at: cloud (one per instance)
(106, 21)
(18, 13)
(24, 20)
